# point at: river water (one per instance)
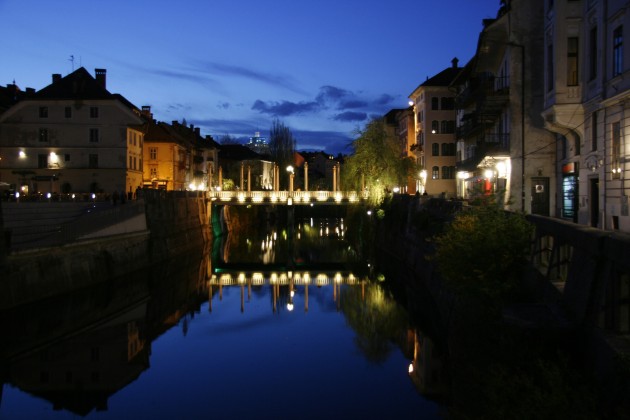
(270, 322)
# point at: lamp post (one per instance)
(291, 175)
(522, 47)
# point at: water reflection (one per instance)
(189, 327)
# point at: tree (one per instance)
(281, 144)
(377, 162)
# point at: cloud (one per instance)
(350, 116)
(352, 104)
(284, 81)
(384, 99)
(285, 108)
(331, 94)
(223, 105)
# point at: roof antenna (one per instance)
(71, 59)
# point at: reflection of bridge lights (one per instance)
(322, 279)
(411, 367)
(292, 293)
(289, 306)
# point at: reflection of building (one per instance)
(428, 370)
(72, 136)
(81, 373)
(434, 108)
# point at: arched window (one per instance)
(435, 172)
(445, 149)
(435, 149)
(435, 127)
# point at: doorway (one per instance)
(594, 201)
(540, 196)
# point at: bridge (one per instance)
(287, 197)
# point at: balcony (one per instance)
(485, 89)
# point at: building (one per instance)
(400, 124)
(433, 106)
(502, 145)
(243, 169)
(258, 144)
(73, 136)
(585, 107)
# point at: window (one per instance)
(594, 131)
(42, 161)
(615, 150)
(448, 103)
(572, 61)
(134, 164)
(549, 67)
(435, 103)
(448, 172)
(448, 149)
(130, 162)
(153, 172)
(43, 112)
(66, 157)
(592, 52)
(435, 172)
(68, 112)
(435, 149)
(43, 135)
(94, 135)
(93, 112)
(435, 127)
(93, 160)
(153, 153)
(617, 51)
(447, 127)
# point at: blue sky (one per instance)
(323, 68)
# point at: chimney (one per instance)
(454, 61)
(56, 77)
(146, 111)
(101, 77)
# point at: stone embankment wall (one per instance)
(170, 224)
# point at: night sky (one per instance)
(323, 68)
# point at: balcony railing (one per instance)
(287, 197)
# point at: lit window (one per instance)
(435, 172)
(43, 135)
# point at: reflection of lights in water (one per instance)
(292, 293)
(311, 222)
(290, 306)
(411, 367)
(327, 231)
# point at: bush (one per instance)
(482, 252)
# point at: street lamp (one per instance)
(291, 175)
